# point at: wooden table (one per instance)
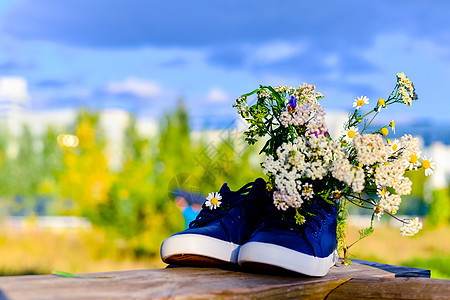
(360, 280)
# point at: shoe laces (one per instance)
(316, 218)
(230, 199)
(320, 212)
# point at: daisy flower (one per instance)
(395, 145)
(352, 132)
(213, 200)
(349, 134)
(360, 101)
(428, 165)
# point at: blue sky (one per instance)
(142, 55)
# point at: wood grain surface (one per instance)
(356, 281)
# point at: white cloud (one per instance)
(136, 86)
(276, 51)
(14, 89)
(217, 95)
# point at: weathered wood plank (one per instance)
(392, 288)
(184, 283)
(399, 271)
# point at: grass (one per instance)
(429, 249)
(34, 251)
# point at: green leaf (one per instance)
(277, 96)
(251, 93)
(363, 233)
(64, 274)
(266, 145)
(69, 275)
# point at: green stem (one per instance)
(367, 125)
(357, 204)
(368, 113)
(398, 219)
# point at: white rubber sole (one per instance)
(199, 245)
(278, 256)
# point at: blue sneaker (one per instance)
(215, 236)
(309, 249)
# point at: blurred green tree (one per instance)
(440, 208)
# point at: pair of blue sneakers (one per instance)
(245, 228)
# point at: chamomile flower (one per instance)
(382, 191)
(381, 104)
(412, 161)
(213, 200)
(337, 194)
(428, 165)
(378, 211)
(360, 101)
(392, 124)
(349, 134)
(395, 145)
(352, 132)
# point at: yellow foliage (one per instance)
(37, 251)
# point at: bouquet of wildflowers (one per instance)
(305, 164)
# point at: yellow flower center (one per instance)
(214, 201)
(394, 147)
(360, 165)
(360, 102)
(383, 192)
(384, 131)
(392, 124)
(351, 134)
(381, 102)
(413, 159)
(393, 211)
(386, 163)
(377, 209)
(426, 164)
(337, 195)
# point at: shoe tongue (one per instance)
(258, 195)
(228, 196)
(258, 188)
(224, 188)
